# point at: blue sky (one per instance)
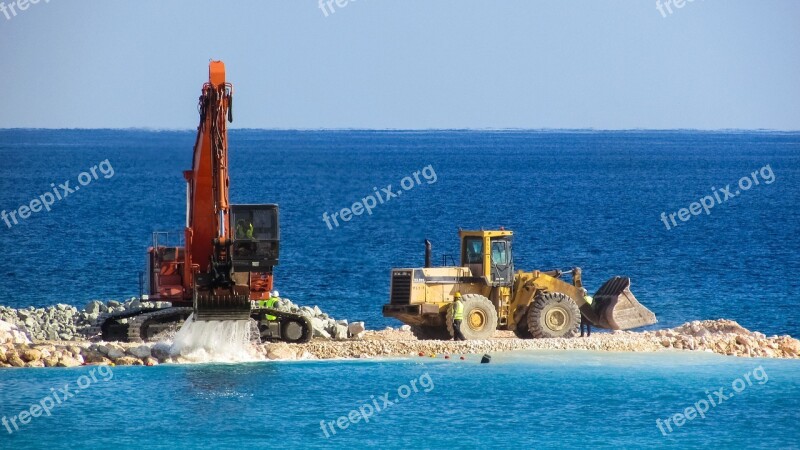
(711, 64)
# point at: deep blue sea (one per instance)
(573, 198)
(588, 199)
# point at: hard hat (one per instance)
(458, 295)
(276, 294)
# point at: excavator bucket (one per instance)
(209, 307)
(618, 309)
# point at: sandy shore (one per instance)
(718, 336)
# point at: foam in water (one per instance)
(214, 341)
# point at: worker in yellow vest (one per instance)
(585, 323)
(274, 296)
(458, 316)
(244, 230)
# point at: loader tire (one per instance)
(480, 318)
(424, 333)
(553, 315)
(522, 331)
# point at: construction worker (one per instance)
(244, 230)
(588, 299)
(244, 233)
(274, 296)
(458, 316)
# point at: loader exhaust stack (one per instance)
(427, 253)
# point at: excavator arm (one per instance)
(207, 200)
(230, 249)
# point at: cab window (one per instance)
(473, 250)
(499, 253)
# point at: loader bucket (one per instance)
(618, 309)
(209, 307)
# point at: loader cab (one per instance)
(488, 255)
(256, 237)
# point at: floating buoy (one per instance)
(462, 357)
(433, 355)
(446, 356)
(421, 354)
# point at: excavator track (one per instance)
(139, 326)
(292, 328)
(108, 327)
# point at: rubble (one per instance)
(718, 336)
(66, 323)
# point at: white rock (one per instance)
(405, 328)
(12, 334)
(319, 328)
(357, 329)
(281, 351)
(114, 351)
(142, 351)
(340, 332)
(68, 361)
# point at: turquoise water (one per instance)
(537, 399)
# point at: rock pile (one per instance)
(325, 327)
(724, 337)
(62, 355)
(54, 323)
(64, 322)
(61, 322)
(727, 337)
(718, 336)
(11, 334)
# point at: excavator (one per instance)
(535, 304)
(222, 268)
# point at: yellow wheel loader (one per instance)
(537, 304)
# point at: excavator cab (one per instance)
(254, 246)
(255, 237)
